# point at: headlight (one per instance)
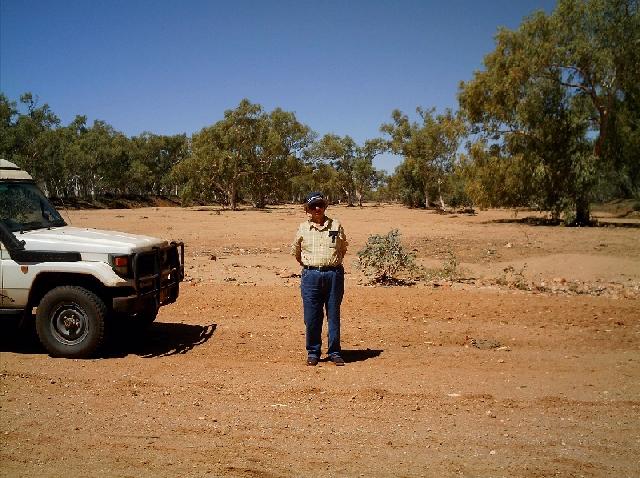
(120, 264)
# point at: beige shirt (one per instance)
(320, 245)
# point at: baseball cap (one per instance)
(315, 198)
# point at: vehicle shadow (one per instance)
(160, 339)
(360, 355)
(18, 338)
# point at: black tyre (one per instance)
(70, 322)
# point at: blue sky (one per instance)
(173, 67)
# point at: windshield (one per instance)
(24, 207)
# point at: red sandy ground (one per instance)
(218, 385)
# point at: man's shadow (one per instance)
(351, 355)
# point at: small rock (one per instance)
(484, 344)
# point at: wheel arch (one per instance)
(47, 281)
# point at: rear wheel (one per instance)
(70, 322)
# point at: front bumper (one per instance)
(156, 279)
(134, 304)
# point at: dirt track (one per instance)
(444, 379)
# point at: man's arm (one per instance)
(296, 247)
(343, 241)
(299, 257)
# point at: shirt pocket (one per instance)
(334, 238)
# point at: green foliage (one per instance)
(553, 121)
(450, 270)
(384, 256)
(552, 108)
(151, 157)
(512, 277)
(406, 186)
(84, 161)
(355, 175)
(249, 152)
(429, 150)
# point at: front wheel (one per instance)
(70, 322)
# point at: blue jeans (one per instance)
(322, 290)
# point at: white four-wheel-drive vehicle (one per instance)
(76, 279)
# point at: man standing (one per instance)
(319, 246)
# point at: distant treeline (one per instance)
(552, 122)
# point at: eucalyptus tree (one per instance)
(327, 180)
(549, 95)
(301, 181)
(354, 172)
(429, 147)
(20, 136)
(405, 185)
(8, 112)
(53, 145)
(365, 176)
(96, 160)
(622, 148)
(315, 176)
(249, 151)
(340, 153)
(151, 159)
(218, 162)
(281, 142)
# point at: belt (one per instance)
(322, 268)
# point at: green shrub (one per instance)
(450, 270)
(384, 256)
(513, 277)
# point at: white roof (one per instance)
(11, 171)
